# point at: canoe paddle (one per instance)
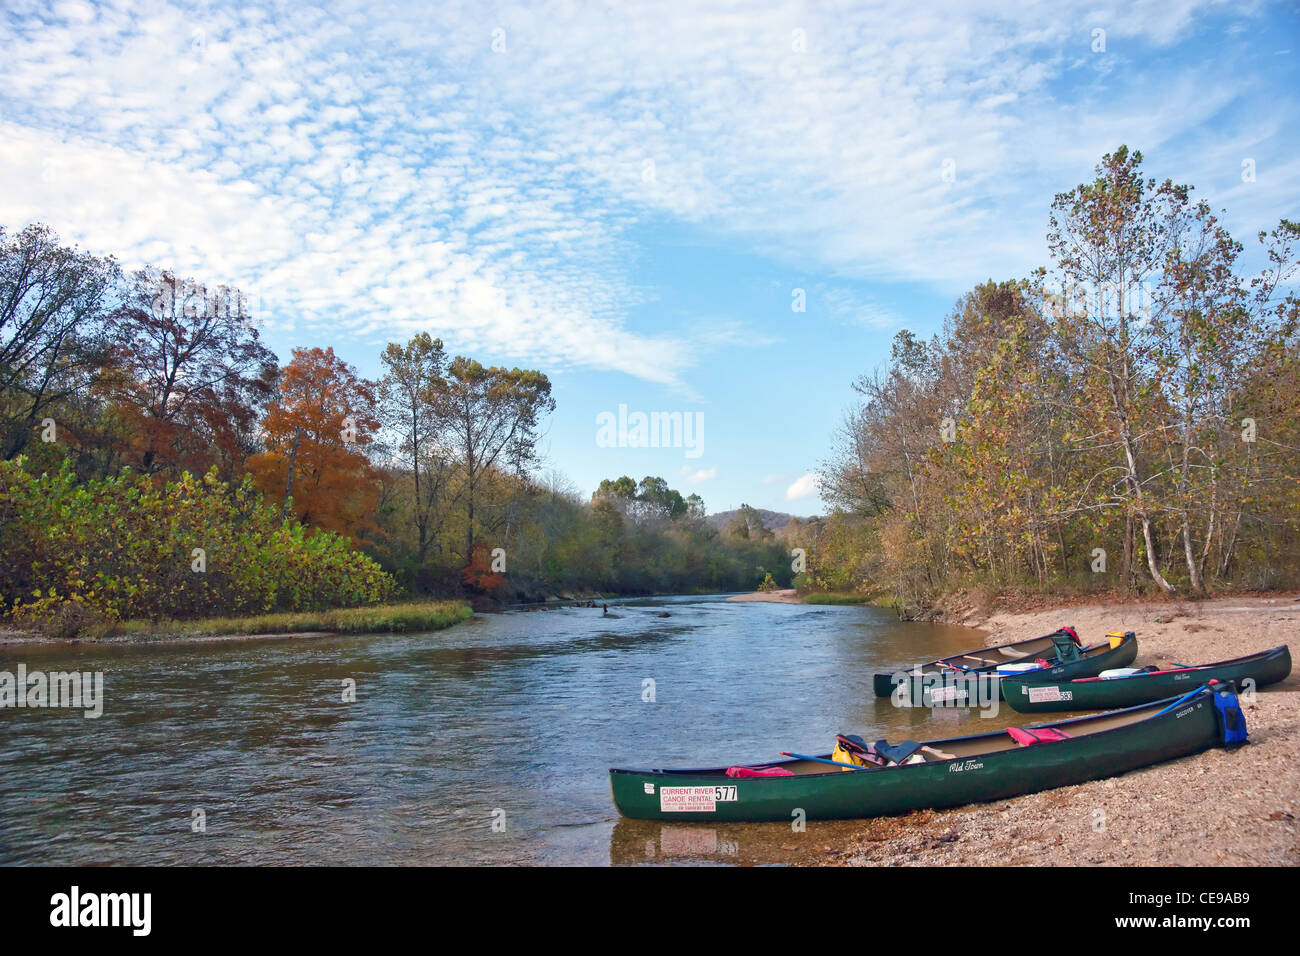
(833, 763)
(1182, 700)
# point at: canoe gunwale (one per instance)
(1101, 656)
(1160, 733)
(1265, 667)
(1151, 705)
(1125, 649)
(1257, 657)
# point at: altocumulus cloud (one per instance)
(381, 167)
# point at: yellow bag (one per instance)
(842, 755)
(1117, 637)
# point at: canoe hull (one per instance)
(1054, 697)
(839, 795)
(978, 689)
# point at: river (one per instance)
(485, 743)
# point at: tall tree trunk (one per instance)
(1139, 498)
(1193, 566)
(421, 516)
(1184, 481)
(1127, 588)
(288, 485)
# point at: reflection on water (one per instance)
(728, 844)
(512, 717)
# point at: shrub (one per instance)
(128, 547)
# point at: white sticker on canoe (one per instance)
(694, 799)
(649, 788)
(1038, 695)
(943, 694)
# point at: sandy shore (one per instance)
(787, 596)
(1219, 807)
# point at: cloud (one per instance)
(805, 486)
(702, 474)
(852, 307)
(774, 479)
(385, 167)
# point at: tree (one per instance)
(650, 501)
(189, 373)
(748, 525)
(619, 491)
(1110, 239)
(658, 502)
(478, 574)
(411, 393)
(52, 301)
(1125, 401)
(322, 422)
(490, 417)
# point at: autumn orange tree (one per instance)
(316, 435)
(479, 575)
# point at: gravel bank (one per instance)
(1216, 808)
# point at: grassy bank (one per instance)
(398, 618)
(837, 597)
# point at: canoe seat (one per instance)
(1012, 652)
(1023, 667)
(1027, 737)
(1121, 673)
(938, 754)
(1066, 645)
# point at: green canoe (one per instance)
(971, 679)
(984, 767)
(1109, 693)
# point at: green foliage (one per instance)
(1126, 422)
(125, 546)
(831, 597)
(631, 538)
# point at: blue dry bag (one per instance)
(1232, 722)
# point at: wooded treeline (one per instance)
(1127, 419)
(429, 470)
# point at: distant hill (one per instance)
(775, 520)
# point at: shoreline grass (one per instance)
(402, 618)
(837, 597)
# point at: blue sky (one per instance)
(627, 195)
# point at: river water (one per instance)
(485, 743)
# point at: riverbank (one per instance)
(1236, 808)
(791, 596)
(783, 596)
(410, 617)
